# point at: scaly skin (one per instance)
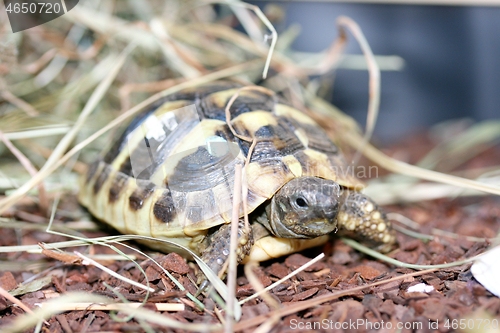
(217, 252)
(360, 218)
(306, 207)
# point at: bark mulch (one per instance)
(456, 293)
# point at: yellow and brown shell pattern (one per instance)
(171, 173)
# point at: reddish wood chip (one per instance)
(347, 307)
(79, 287)
(434, 247)
(263, 277)
(433, 308)
(64, 323)
(175, 263)
(411, 245)
(316, 312)
(434, 281)
(305, 294)
(367, 272)
(152, 273)
(278, 270)
(341, 257)
(456, 293)
(414, 295)
(245, 290)
(464, 296)
(320, 284)
(7, 281)
(408, 257)
(76, 278)
(252, 311)
(387, 307)
(388, 287)
(296, 260)
(476, 230)
(3, 304)
(285, 299)
(439, 259)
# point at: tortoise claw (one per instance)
(203, 287)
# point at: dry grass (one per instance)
(81, 76)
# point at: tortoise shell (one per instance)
(170, 174)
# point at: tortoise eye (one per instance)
(301, 202)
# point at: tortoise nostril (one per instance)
(301, 202)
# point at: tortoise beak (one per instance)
(318, 227)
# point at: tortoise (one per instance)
(171, 173)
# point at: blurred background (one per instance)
(451, 59)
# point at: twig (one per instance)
(94, 99)
(303, 305)
(373, 84)
(26, 107)
(178, 59)
(55, 158)
(117, 306)
(36, 65)
(242, 137)
(64, 257)
(24, 322)
(220, 316)
(88, 261)
(332, 57)
(45, 152)
(257, 285)
(274, 34)
(14, 300)
(37, 133)
(231, 275)
(295, 272)
(394, 165)
(125, 90)
(434, 231)
(231, 102)
(245, 186)
(268, 324)
(26, 163)
(383, 257)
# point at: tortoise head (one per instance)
(305, 207)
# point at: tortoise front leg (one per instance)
(217, 252)
(360, 218)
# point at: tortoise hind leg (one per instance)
(216, 253)
(360, 218)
